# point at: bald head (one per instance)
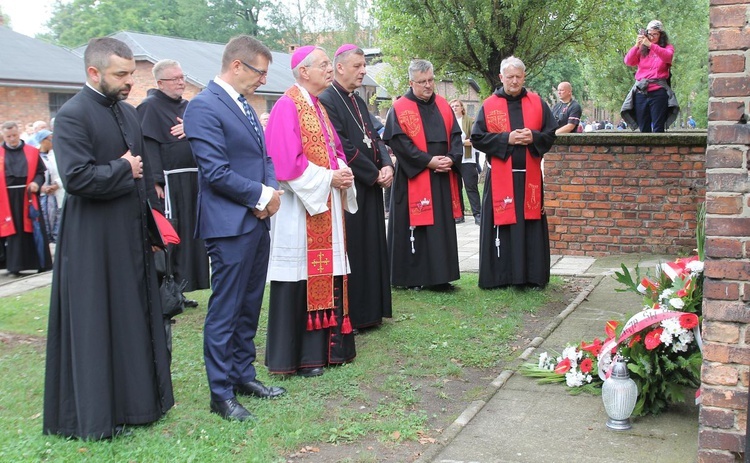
(565, 92)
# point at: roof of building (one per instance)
(201, 61)
(30, 62)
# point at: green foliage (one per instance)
(471, 38)
(433, 338)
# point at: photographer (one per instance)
(651, 104)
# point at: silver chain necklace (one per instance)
(366, 139)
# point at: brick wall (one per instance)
(24, 105)
(726, 354)
(619, 193)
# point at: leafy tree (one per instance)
(472, 37)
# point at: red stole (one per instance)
(319, 226)
(7, 227)
(419, 188)
(503, 200)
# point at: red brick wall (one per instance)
(726, 354)
(24, 105)
(620, 193)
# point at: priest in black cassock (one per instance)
(107, 361)
(367, 156)
(175, 171)
(426, 139)
(514, 127)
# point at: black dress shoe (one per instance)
(310, 372)
(442, 288)
(230, 410)
(191, 303)
(257, 389)
(460, 220)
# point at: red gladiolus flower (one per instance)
(634, 339)
(610, 328)
(595, 347)
(586, 365)
(563, 367)
(653, 340)
(688, 321)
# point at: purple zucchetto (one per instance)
(344, 48)
(300, 54)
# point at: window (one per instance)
(56, 100)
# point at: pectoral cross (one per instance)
(368, 141)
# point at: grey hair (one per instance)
(10, 125)
(511, 62)
(419, 65)
(305, 62)
(343, 56)
(162, 66)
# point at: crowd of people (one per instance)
(294, 198)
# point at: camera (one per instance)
(641, 31)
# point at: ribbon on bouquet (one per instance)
(637, 323)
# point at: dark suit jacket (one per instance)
(232, 165)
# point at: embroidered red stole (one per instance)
(503, 200)
(320, 298)
(419, 188)
(7, 227)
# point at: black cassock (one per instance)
(435, 257)
(524, 255)
(167, 153)
(107, 361)
(369, 281)
(21, 250)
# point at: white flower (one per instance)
(574, 378)
(542, 359)
(666, 337)
(572, 353)
(695, 266)
(677, 303)
(666, 294)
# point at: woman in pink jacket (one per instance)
(653, 100)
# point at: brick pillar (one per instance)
(726, 353)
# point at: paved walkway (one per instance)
(524, 422)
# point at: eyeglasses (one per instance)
(323, 66)
(262, 74)
(424, 83)
(174, 79)
(653, 34)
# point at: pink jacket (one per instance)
(655, 65)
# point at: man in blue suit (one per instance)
(237, 195)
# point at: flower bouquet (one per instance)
(661, 343)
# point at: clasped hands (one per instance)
(440, 164)
(385, 178)
(342, 178)
(521, 137)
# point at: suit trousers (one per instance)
(238, 277)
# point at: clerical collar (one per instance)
(97, 91)
(341, 87)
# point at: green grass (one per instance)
(432, 337)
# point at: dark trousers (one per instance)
(470, 178)
(238, 278)
(651, 110)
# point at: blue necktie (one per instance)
(250, 117)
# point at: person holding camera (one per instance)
(651, 104)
